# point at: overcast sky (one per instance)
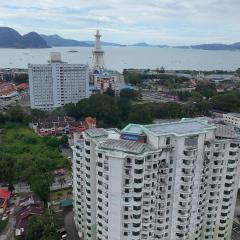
(173, 22)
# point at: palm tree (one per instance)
(61, 181)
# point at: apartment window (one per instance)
(191, 141)
(100, 164)
(138, 171)
(100, 155)
(87, 143)
(168, 140)
(138, 180)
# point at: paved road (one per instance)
(70, 227)
(236, 231)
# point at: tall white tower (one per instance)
(98, 53)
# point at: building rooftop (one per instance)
(224, 131)
(4, 194)
(96, 132)
(125, 146)
(183, 127)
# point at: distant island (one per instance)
(10, 38)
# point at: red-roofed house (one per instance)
(4, 198)
(90, 122)
(27, 207)
(22, 86)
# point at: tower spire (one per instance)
(98, 52)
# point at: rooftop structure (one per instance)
(27, 207)
(124, 146)
(8, 90)
(179, 128)
(232, 119)
(107, 79)
(61, 125)
(4, 197)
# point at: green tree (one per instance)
(110, 92)
(2, 118)
(134, 78)
(206, 89)
(21, 78)
(129, 94)
(238, 71)
(229, 102)
(140, 114)
(37, 113)
(16, 114)
(42, 227)
(7, 173)
(40, 185)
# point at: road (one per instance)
(8, 233)
(70, 227)
(236, 231)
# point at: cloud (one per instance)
(127, 21)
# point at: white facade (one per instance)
(232, 119)
(98, 53)
(170, 181)
(57, 83)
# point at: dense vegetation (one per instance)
(167, 80)
(119, 111)
(42, 227)
(24, 156)
(3, 225)
(229, 102)
(20, 78)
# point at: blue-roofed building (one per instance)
(104, 79)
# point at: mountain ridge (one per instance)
(10, 38)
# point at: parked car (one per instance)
(63, 233)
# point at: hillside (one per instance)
(57, 41)
(10, 38)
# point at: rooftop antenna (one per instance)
(98, 24)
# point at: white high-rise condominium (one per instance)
(57, 83)
(170, 181)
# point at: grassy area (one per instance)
(3, 224)
(62, 194)
(28, 152)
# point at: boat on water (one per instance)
(72, 51)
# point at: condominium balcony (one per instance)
(138, 185)
(187, 179)
(138, 166)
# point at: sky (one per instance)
(172, 22)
